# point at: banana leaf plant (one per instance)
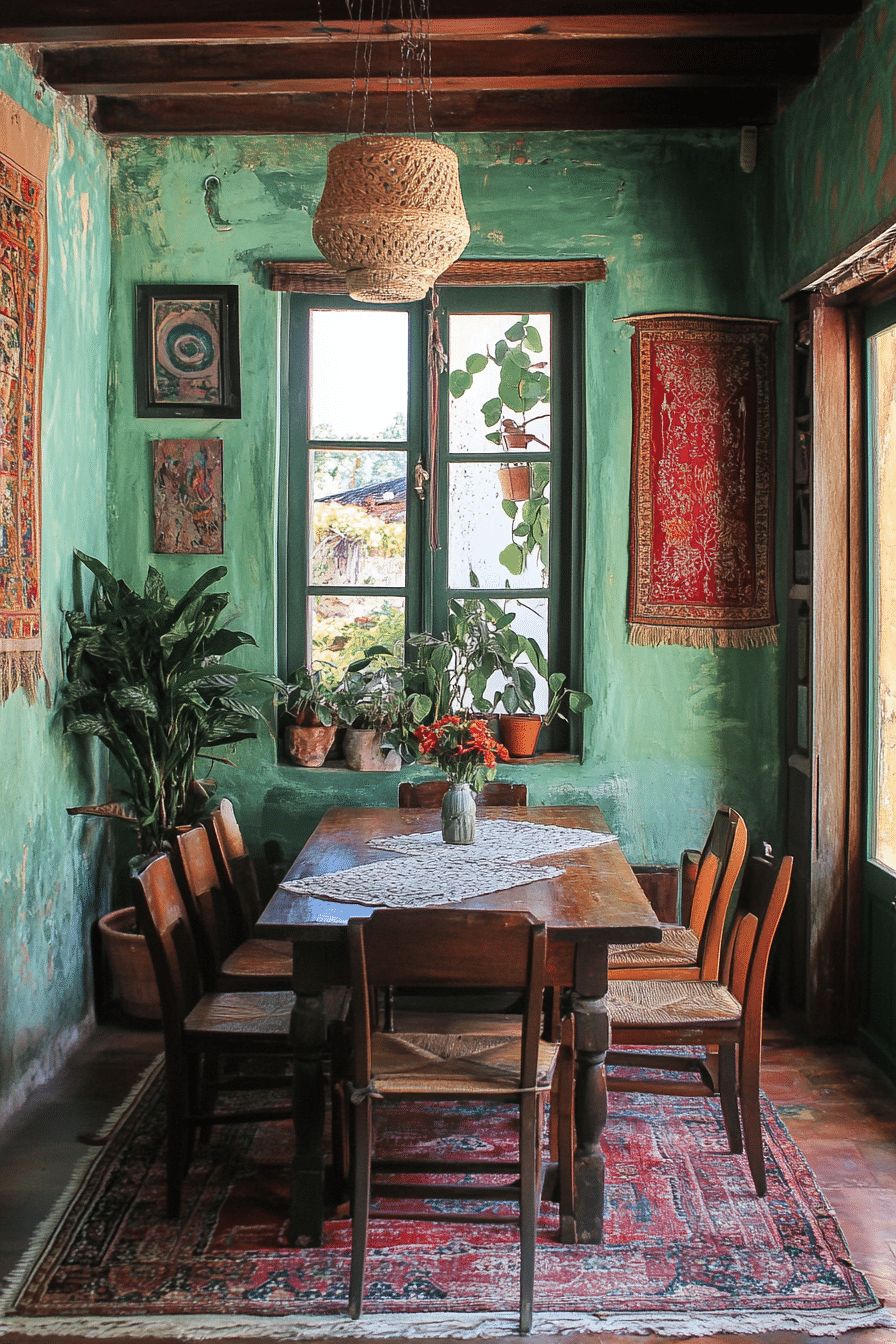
(145, 673)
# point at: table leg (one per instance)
(308, 1028)
(592, 1041)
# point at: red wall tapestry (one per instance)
(23, 172)
(702, 567)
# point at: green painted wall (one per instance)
(836, 148)
(673, 731)
(52, 882)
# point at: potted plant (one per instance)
(520, 725)
(310, 719)
(144, 673)
(377, 710)
(454, 669)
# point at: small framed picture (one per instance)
(188, 496)
(188, 351)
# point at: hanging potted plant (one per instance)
(145, 674)
(523, 385)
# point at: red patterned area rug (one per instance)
(689, 1248)
(702, 567)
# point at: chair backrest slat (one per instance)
(429, 794)
(218, 931)
(164, 917)
(722, 859)
(235, 866)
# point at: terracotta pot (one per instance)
(127, 956)
(519, 733)
(308, 746)
(514, 481)
(363, 750)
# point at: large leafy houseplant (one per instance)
(145, 674)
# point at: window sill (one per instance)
(339, 766)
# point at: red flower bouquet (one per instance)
(463, 748)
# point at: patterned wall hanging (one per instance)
(24, 156)
(188, 497)
(702, 564)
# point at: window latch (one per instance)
(421, 476)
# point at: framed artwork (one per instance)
(188, 351)
(188, 496)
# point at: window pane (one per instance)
(504, 541)
(358, 519)
(882, 350)
(530, 619)
(480, 333)
(358, 375)
(342, 627)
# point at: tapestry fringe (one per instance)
(703, 637)
(451, 1325)
(22, 669)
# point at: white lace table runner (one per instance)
(515, 841)
(426, 877)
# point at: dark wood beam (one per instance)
(109, 69)
(655, 22)
(594, 109)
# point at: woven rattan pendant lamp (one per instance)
(391, 218)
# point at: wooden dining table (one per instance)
(594, 901)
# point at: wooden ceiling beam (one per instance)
(595, 109)
(740, 23)
(112, 69)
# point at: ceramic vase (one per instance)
(459, 815)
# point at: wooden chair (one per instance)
(228, 960)
(496, 793)
(198, 1027)
(692, 951)
(507, 1062)
(726, 1019)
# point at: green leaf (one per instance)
(517, 331)
(533, 340)
(512, 558)
(476, 363)
(491, 410)
(556, 680)
(510, 507)
(495, 437)
(137, 697)
(519, 358)
(459, 382)
(500, 352)
(579, 701)
(154, 588)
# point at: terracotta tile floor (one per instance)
(838, 1107)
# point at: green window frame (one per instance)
(426, 590)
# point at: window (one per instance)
(365, 559)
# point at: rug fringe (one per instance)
(15, 1281)
(454, 1325)
(702, 637)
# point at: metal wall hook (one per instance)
(212, 185)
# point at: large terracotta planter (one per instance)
(363, 750)
(308, 746)
(127, 956)
(519, 733)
